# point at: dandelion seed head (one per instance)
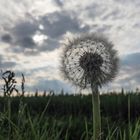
(88, 59)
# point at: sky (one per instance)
(32, 33)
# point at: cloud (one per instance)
(7, 64)
(22, 34)
(24, 28)
(26, 42)
(129, 75)
(19, 37)
(58, 23)
(32, 32)
(131, 61)
(111, 18)
(6, 38)
(48, 45)
(4, 64)
(55, 85)
(54, 26)
(59, 2)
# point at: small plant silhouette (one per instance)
(8, 88)
(10, 83)
(89, 61)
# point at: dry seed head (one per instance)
(88, 59)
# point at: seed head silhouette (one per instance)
(89, 59)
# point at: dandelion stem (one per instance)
(96, 113)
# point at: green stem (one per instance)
(129, 116)
(96, 113)
(9, 118)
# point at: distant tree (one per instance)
(137, 90)
(44, 93)
(36, 93)
(62, 92)
(122, 91)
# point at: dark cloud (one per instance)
(58, 23)
(26, 42)
(50, 44)
(59, 3)
(55, 25)
(7, 64)
(20, 36)
(24, 28)
(6, 38)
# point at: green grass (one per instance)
(69, 117)
(114, 106)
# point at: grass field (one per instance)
(69, 117)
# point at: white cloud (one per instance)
(117, 19)
(39, 38)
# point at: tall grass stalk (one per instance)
(22, 106)
(129, 116)
(9, 118)
(87, 131)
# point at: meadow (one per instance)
(69, 117)
(65, 116)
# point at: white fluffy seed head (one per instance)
(88, 59)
